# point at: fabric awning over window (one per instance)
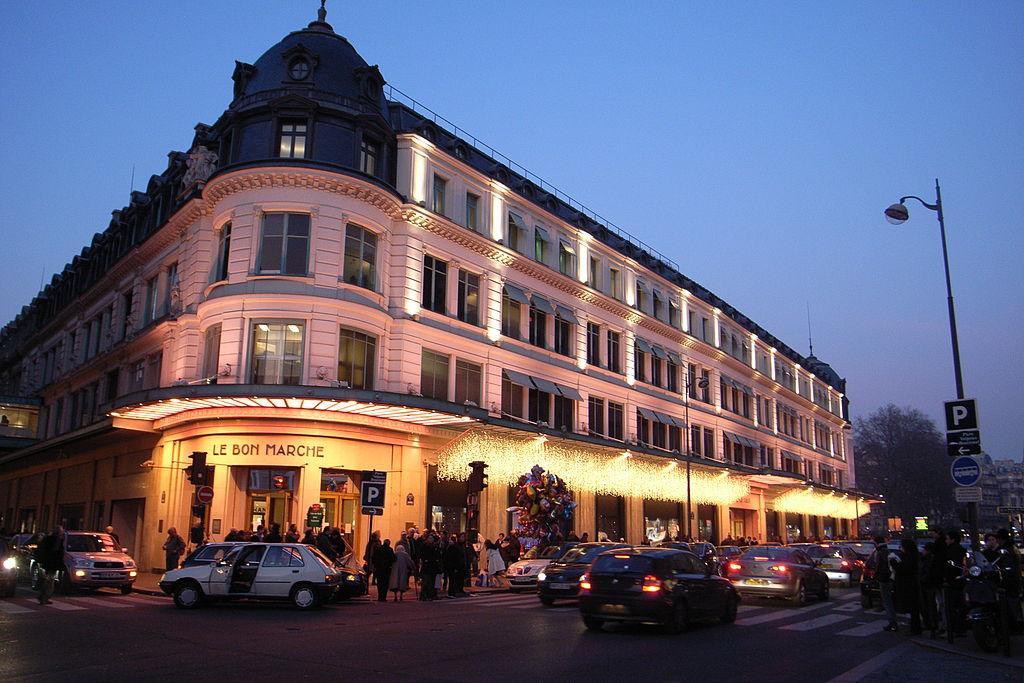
(567, 246)
(516, 220)
(826, 467)
(569, 392)
(566, 314)
(657, 416)
(541, 233)
(519, 378)
(786, 409)
(738, 385)
(643, 345)
(647, 414)
(742, 440)
(659, 352)
(545, 385)
(791, 456)
(675, 358)
(516, 294)
(542, 304)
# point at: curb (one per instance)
(983, 656)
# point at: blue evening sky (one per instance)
(756, 144)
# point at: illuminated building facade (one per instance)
(329, 282)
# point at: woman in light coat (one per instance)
(495, 565)
(401, 570)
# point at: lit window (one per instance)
(469, 297)
(223, 252)
(467, 382)
(434, 375)
(292, 140)
(369, 151)
(285, 243)
(360, 257)
(277, 352)
(356, 357)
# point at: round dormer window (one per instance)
(299, 69)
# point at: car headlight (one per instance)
(350, 577)
(82, 562)
(542, 577)
(10, 563)
(129, 564)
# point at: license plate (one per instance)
(561, 586)
(755, 582)
(109, 575)
(614, 609)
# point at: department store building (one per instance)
(334, 281)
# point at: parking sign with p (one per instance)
(371, 493)
(962, 414)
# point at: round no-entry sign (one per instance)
(965, 471)
(204, 494)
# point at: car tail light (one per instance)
(651, 584)
(845, 563)
(585, 582)
(735, 566)
(780, 568)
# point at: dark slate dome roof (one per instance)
(337, 73)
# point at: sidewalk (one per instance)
(146, 584)
(965, 646)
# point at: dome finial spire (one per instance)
(321, 18)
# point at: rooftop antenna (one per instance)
(810, 342)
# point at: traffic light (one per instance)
(477, 478)
(279, 481)
(197, 470)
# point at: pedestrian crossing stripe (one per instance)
(868, 629)
(780, 614)
(811, 624)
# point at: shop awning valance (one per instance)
(675, 358)
(566, 314)
(742, 440)
(516, 294)
(542, 304)
(518, 378)
(643, 345)
(792, 456)
(659, 352)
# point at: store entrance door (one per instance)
(339, 496)
(267, 508)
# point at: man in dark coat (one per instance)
(430, 566)
(455, 566)
(324, 545)
(382, 560)
(49, 556)
(953, 590)
(883, 575)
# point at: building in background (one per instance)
(331, 283)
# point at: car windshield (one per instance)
(623, 563)
(763, 554)
(90, 543)
(817, 552)
(583, 554)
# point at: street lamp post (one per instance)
(898, 214)
(701, 383)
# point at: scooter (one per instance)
(987, 614)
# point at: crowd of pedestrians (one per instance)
(928, 583)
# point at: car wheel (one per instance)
(126, 589)
(678, 620)
(546, 601)
(304, 597)
(188, 595)
(866, 601)
(799, 598)
(593, 624)
(729, 615)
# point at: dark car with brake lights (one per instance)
(840, 563)
(727, 554)
(654, 585)
(774, 571)
(561, 580)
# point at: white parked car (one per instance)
(92, 560)
(267, 571)
(523, 574)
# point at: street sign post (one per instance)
(204, 495)
(966, 471)
(968, 494)
(371, 492)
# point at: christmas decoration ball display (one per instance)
(544, 506)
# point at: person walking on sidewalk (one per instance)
(430, 567)
(383, 559)
(883, 575)
(907, 584)
(401, 570)
(174, 548)
(49, 555)
(455, 566)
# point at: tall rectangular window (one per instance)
(564, 336)
(468, 378)
(172, 295)
(614, 352)
(595, 272)
(439, 195)
(538, 406)
(435, 280)
(511, 316)
(211, 353)
(472, 212)
(516, 232)
(152, 302)
(639, 364)
(469, 297)
(564, 415)
(277, 352)
(285, 244)
(292, 140)
(369, 152)
(613, 283)
(126, 314)
(538, 327)
(511, 397)
(616, 420)
(223, 252)
(434, 375)
(566, 259)
(540, 245)
(360, 257)
(595, 415)
(356, 359)
(674, 318)
(709, 442)
(594, 344)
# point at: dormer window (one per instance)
(292, 140)
(299, 69)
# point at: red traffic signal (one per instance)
(279, 481)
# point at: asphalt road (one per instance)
(104, 636)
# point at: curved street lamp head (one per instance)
(897, 214)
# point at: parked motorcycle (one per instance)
(988, 610)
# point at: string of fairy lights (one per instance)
(618, 474)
